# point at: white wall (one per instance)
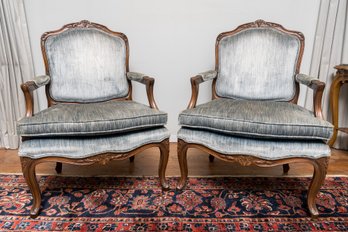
(170, 40)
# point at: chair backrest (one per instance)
(258, 61)
(87, 62)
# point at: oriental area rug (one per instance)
(138, 204)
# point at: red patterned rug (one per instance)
(138, 204)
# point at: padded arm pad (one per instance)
(305, 79)
(36, 83)
(138, 77)
(41, 80)
(208, 75)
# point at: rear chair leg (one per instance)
(28, 167)
(59, 167)
(286, 168)
(320, 169)
(211, 158)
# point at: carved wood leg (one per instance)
(59, 167)
(320, 169)
(131, 159)
(164, 149)
(334, 97)
(286, 168)
(28, 167)
(182, 156)
(211, 158)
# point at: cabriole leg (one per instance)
(320, 169)
(28, 167)
(164, 149)
(182, 156)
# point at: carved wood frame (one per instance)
(82, 24)
(320, 168)
(29, 164)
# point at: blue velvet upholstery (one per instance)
(255, 61)
(82, 147)
(41, 80)
(208, 75)
(258, 119)
(86, 65)
(261, 148)
(91, 119)
(305, 79)
(135, 76)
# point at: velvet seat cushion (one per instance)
(82, 147)
(269, 149)
(91, 119)
(258, 119)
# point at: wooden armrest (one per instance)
(318, 89)
(195, 81)
(148, 82)
(28, 87)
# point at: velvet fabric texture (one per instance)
(82, 147)
(86, 65)
(41, 80)
(91, 119)
(208, 75)
(255, 61)
(305, 79)
(135, 76)
(261, 148)
(258, 119)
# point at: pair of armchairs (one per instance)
(253, 118)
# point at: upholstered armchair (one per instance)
(253, 118)
(91, 116)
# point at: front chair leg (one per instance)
(320, 169)
(28, 167)
(59, 167)
(182, 156)
(164, 149)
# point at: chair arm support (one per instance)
(195, 81)
(318, 89)
(28, 87)
(148, 82)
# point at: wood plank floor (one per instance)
(146, 164)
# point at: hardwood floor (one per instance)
(146, 164)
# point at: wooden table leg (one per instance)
(334, 97)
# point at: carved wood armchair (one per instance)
(253, 118)
(91, 116)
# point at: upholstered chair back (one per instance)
(86, 64)
(258, 63)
